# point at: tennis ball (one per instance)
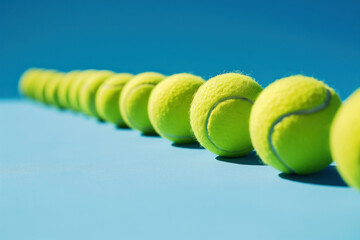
(290, 124)
(63, 88)
(107, 98)
(26, 81)
(50, 91)
(345, 140)
(75, 87)
(32, 83)
(40, 84)
(134, 101)
(88, 91)
(219, 114)
(169, 107)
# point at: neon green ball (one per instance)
(63, 89)
(26, 81)
(107, 98)
(32, 83)
(345, 140)
(75, 86)
(50, 90)
(40, 85)
(220, 111)
(169, 107)
(134, 101)
(88, 90)
(290, 124)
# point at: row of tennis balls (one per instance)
(290, 123)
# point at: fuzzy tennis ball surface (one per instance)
(50, 90)
(63, 88)
(169, 107)
(345, 140)
(220, 111)
(75, 86)
(134, 101)
(290, 124)
(88, 92)
(107, 98)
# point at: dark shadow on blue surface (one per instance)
(329, 177)
(250, 159)
(150, 135)
(188, 145)
(102, 121)
(122, 127)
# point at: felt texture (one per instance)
(51, 88)
(169, 107)
(219, 114)
(134, 101)
(63, 89)
(75, 87)
(290, 124)
(345, 140)
(88, 90)
(107, 98)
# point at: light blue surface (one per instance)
(65, 176)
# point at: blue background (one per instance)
(66, 176)
(266, 39)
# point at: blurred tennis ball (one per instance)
(169, 107)
(63, 89)
(40, 84)
(134, 101)
(345, 140)
(50, 90)
(88, 90)
(75, 86)
(26, 81)
(107, 98)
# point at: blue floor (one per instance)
(66, 176)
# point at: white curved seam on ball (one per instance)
(126, 99)
(208, 118)
(300, 112)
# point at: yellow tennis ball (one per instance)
(50, 90)
(42, 80)
(75, 86)
(220, 111)
(134, 101)
(107, 98)
(169, 107)
(32, 83)
(26, 81)
(290, 124)
(345, 140)
(63, 89)
(88, 92)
